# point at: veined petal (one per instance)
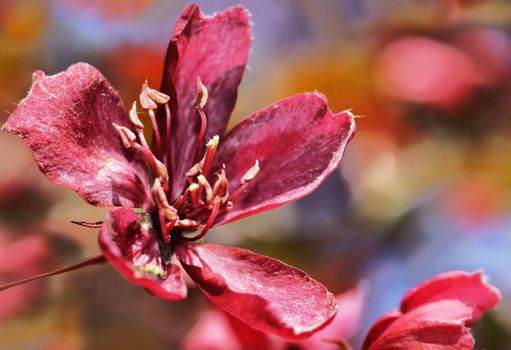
(132, 248)
(263, 292)
(298, 142)
(215, 49)
(66, 120)
(438, 326)
(469, 288)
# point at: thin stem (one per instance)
(203, 125)
(148, 155)
(142, 139)
(92, 261)
(157, 137)
(234, 198)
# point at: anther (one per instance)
(209, 156)
(127, 136)
(203, 182)
(245, 180)
(251, 173)
(221, 187)
(145, 101)
(193, 191)
(196, 169)
(201, 95)
(157, 96)
(134, 119)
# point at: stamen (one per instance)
(157, 96)
(137, 123)
(209, 223)
(96, 224)
(134, 119)
(221, 187)
(168, 124)
(245, 180)
(203, 182)
(201, 97)
(179, 201)
(127, 136)
(148, 98)
(193, 191)
(202, 131)
(142, 139)
(92, 261)
(251, 173)
(196, 169)
(145, 101)
(156, 131)
(149, 156)
(209, 156)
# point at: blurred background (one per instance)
(425, 186)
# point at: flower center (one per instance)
(201, 202)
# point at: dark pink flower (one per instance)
(216, 330)
(435, 315)
(83, 138)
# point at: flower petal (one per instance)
(437, 326)
(298, 142)
(265, 293)
(66, 120)
(216, 49)
(133, 249)
(379, 327)
(469, 288)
